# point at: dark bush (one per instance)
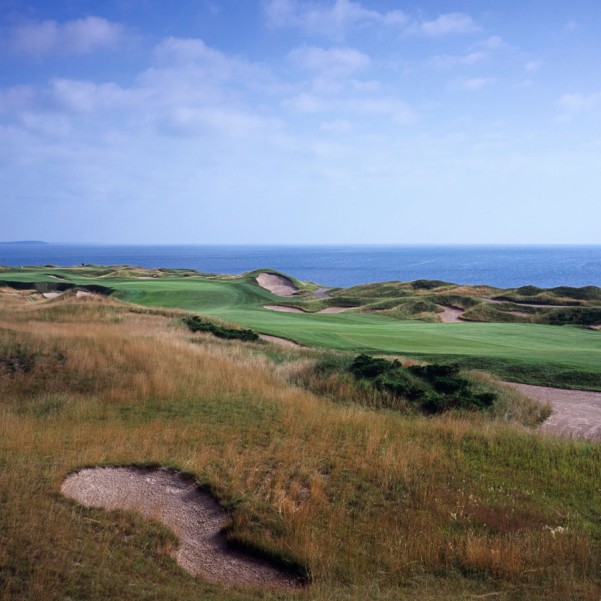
(196, 324)
(428, 284)
(586, 316)
(433, 388)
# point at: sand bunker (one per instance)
(321, 293)
(451, 315)
(194, 516)
(285, 309)
(276, 284)
(576, 413)
(52, 294)
(280, 341)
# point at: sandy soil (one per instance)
(283, 309)
(276, 284)
(280, 341)
(321, 293)
(451, 315)
(576, 413)
(193, 515)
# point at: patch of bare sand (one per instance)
(283, 309)
(51, 295)
(321, 293)
(280, 341)
(451, 315)
(194, 516)
(276, 284)
(576, 413)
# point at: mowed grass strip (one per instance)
(374, 504)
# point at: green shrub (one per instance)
(433, 388)
(196, 324)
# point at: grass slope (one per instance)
(375, 504)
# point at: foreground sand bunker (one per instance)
(194, 516)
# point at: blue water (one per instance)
(502, 266)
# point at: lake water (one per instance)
(502, 266)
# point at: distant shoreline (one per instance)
(340, 266)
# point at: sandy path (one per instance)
(576, 413)
(280, 341)
(276, 284)
(451, 315)
(193, 516)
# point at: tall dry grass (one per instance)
(374, 504)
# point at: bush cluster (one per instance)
(433, 388)
(196, 324)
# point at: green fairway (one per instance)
(241, 301)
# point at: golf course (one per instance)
(168, 434)
(568, 356)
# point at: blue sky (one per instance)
(296, 121)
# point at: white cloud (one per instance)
(447, 24)
(476, 83)
(476, 53)
(332, 20)
(85, 96)
(454, 60)
(338, 126)
(492, 43)
(389, 109)
(332, 61)
(80, 36)
(532, 66)
(579, 103)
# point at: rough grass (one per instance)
(373, 503)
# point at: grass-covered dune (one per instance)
(568, 356)
(371, 503)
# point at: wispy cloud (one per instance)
(574, 104)
(77, 37)
(476, 83)
(446, 24)
(476, 53)
(331, 19)
(331, 61)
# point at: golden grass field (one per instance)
(373, 504)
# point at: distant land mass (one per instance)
(25, 242)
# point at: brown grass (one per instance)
(375, 504)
